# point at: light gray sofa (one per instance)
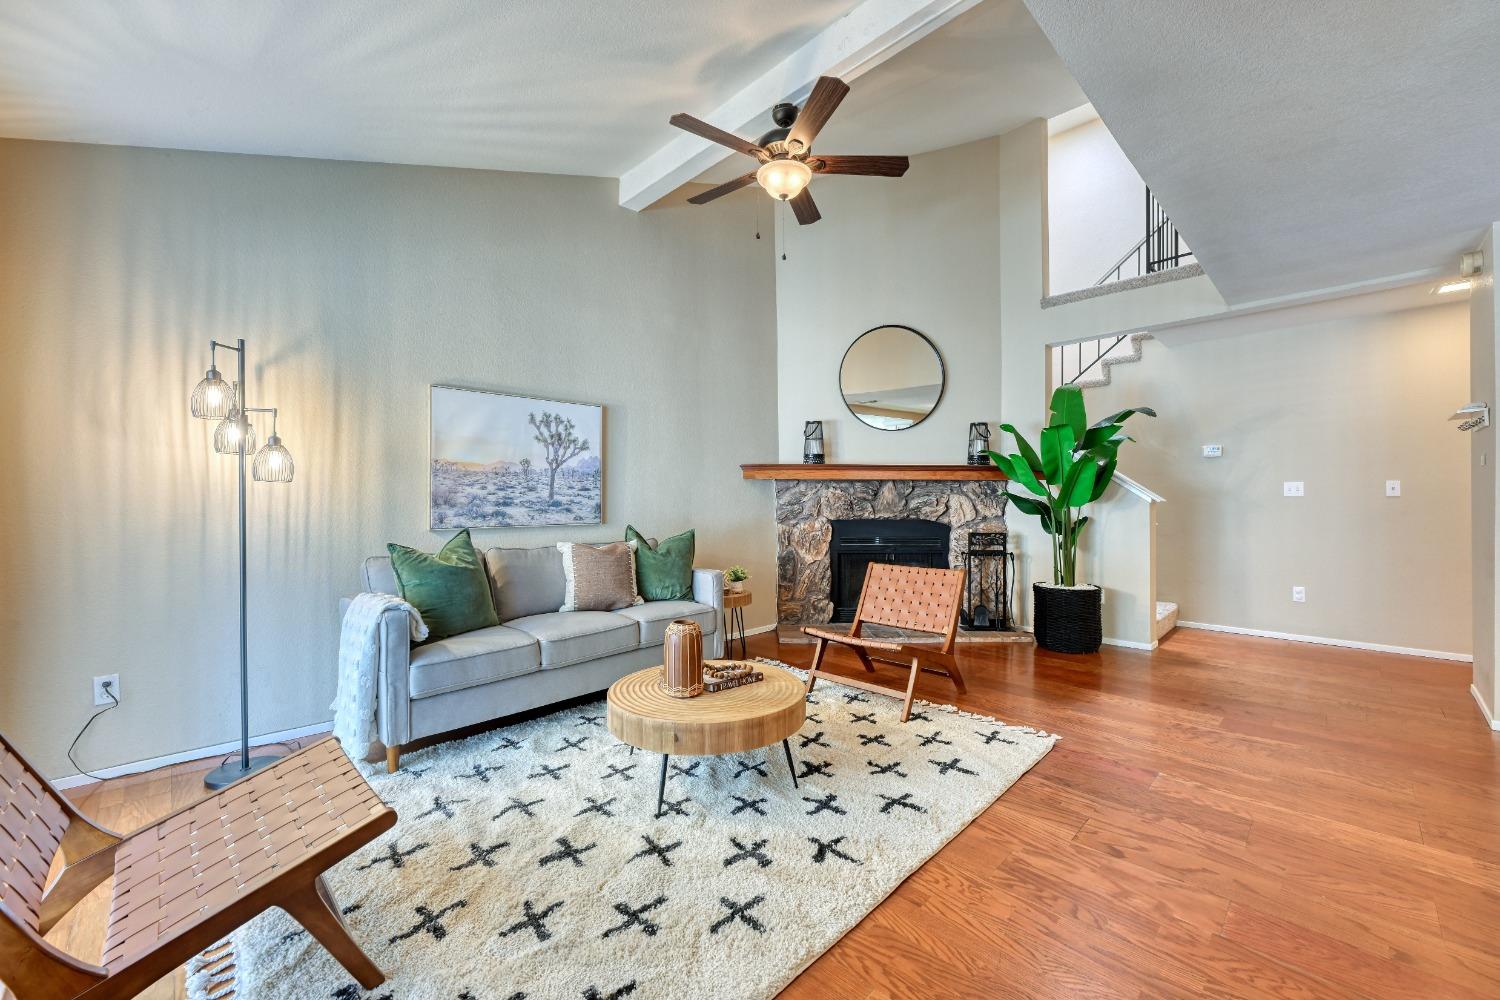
(536, 656)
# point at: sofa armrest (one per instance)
(393, 696)
(393, 709)
(708, 588)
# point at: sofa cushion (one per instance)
(664, 571)
(380, 577)
(472, 659)
(449, 587)
(655, 616)
(598, 577)
(574, 636)
(525, 581)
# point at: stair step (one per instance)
(1166, 618)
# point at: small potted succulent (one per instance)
(734, 579)
(1072, 468)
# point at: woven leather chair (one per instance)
(910, 598)
(183, 882)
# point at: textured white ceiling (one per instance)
(1300, 145)
(981, 74)
(557, 86)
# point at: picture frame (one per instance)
(500, 460)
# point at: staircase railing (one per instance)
(1072, 362)
(1159, 250)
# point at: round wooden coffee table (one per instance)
(744, 718)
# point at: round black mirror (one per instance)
(891, 377)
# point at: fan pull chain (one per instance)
(757, 220)
(781, 230)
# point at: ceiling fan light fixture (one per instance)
(783, 179)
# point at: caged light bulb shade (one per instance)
(227, 435)
(784, 179)
(273, 463)
(213, 398)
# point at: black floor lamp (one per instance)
(215, 399)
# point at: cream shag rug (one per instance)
(527, 862)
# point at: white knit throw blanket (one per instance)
(359, 669)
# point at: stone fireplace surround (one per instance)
(805, 509)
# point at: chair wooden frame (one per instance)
(911, 598)
(182, 882)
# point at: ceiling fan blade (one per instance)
(702, 128)
(867, 166)
(805, 208)
(728, 187)
(821, 104)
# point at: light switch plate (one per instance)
(1213, 450)
(1290, 489)
(1393, 487)
(1299, 595)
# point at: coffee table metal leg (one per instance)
(790, 766)
(661, 787)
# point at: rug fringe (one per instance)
(211, 973)
(938, 705)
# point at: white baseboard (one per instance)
(1374, 647)
(1130, 644)
(140, 766)
(1484, 709)
(759, 630)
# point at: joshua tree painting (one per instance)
(487, 451)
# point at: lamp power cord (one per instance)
(109, 689)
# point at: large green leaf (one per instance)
(1027, 452)
(1056, 448)
(1015, 468)
(1033, 507)
(1102, 434)
(1068, 410)
(1119, 418)
(1081, 490)
(1101, 481)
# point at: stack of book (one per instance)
(723, 676)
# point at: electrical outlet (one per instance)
(1299, 595)
(1393, 487)
(100, 698)
(1213, 450)
(1292, 489)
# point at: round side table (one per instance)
(757, 715)
(735, 602)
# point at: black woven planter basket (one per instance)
(1068, 621)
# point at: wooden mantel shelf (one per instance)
(842, 471)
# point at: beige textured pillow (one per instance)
(598, 577)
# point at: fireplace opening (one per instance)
(857, 543)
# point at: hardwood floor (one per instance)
(1224, 817)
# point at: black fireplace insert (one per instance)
(857, 543)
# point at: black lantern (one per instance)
(987, 592)
(979, 443)
(812, 442)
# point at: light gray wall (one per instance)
(356, 286)
(921, 252)
(1342, 405)
(1484, 465)
(1096, 206)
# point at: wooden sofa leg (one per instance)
(313, 907)
(392, 759)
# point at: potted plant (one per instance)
(735, 577)
(1075, 466)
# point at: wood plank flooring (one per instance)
(1224, 817)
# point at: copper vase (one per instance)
(682, 659)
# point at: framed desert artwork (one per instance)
(502, 461)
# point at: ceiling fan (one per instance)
(785, 152)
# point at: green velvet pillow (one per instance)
(663, 572)
(449, 588)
